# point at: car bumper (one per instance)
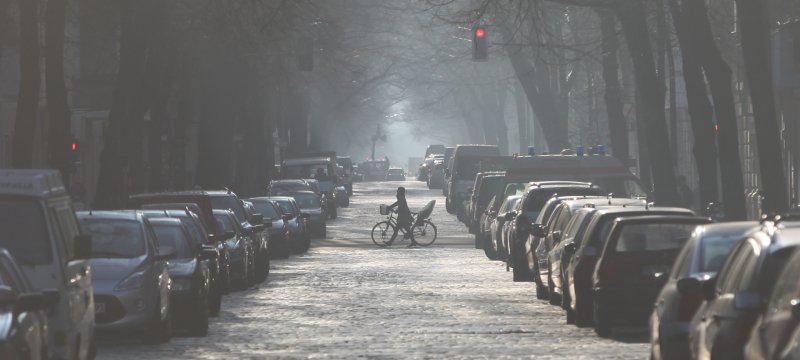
(121, 310)
(625, 304)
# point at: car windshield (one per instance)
(396, 171)
(114, 238)
(24, 231)
(174, 237)
(537, 198)
(229, 202)
(621, 187)
(308, 201)
(224, 223)
(266, 209)
(198, 236)
(653, 237)
(714, 249)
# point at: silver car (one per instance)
(131, 276)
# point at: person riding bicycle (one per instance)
(404, 218)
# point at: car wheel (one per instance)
(334, 213)
(554, 299)
(521, 271)
(161, 330)
(488, 249)
(478, 242)
(199, 327)
(601, 326)
(583, 313)
(449, 206)
(570, 316)
(541, 291)
(215, 305)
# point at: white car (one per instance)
(42, 234)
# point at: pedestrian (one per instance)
(404, 219)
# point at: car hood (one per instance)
(182, 267)
(114, 269)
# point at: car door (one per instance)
(545, 244)
(76, 271)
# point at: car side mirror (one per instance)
(748, 300)
(661, 279)
(690, 285)
(556, 236)
(570, 248)
(34, 301)
(796, 309)
(709, 289)
(166, 253)
(509, 216)
(539, 230)
(83, 247)
(257, 219)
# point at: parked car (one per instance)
(239, 247)
(278, 187)
(436, 176)
(534, 197)
(191, 278)
(348, 173)
(24, 311)
(34, 208)
(297, 222)
(701, 257)
(461, 172)
(771, 337)
(638, 250)
(310, 205)
(486, 184)
(199, 237)
(559, 256)
(395, 174)
(739, 293)
(342, 196)
(131, 277)
(280, 239)
(496, 249)
(587, 250)
(222, 272)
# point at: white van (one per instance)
(41, 232)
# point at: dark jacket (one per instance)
(403, 213)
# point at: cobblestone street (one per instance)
(347, 298)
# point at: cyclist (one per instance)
(404, 219)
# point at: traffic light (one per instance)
(305, 54)
(75, 152)
(480, 49)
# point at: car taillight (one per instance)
(687, 306)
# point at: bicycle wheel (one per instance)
(425, 233)
(382, 233)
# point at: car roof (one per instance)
(624, 210)
(31, 182)
(304, 192)
(110, 214)
(288, 181)
(647, 219)
(726, 228)
(603, 201)
(306, 161)
(221, 211)
(186, 193)
(165, 221)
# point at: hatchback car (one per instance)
(189, 272)
(131, 276)
(701, 257)
(582, 264)
(24, 310)
(739, 293)
(638, 250)
(280, 239)
(297, 222)
(496, 247)
(239, 247)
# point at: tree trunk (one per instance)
(700, 111)
(523, 124)
(500, 123)
(634, 27)
(617, 124)
(29, 84)
(60, 133)
(756, 42)
(719, 77)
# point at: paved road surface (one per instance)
(347, 298)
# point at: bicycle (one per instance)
(424, 230)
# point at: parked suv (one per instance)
(41, 232)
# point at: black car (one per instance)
(280, 240)
(199, 235)
(587, 249)
(252, 226)
(299, 229)
(189, 288)
(638, 251)
(239, 247)
(24, 313)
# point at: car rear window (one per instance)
(308, 201)
(229, 203)
(114, 238)
(653, 237)
(537, 198)
(714, 250)
(25, 231)
(266, 209)
(173, 236)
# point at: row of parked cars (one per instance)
(703, 290)
(163, 264)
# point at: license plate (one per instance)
(99, 308)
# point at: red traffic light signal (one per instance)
(480, 32)
(480, 47)
(74, 146)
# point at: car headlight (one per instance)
(181, 284)
(133, 281)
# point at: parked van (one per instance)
(42, 234)
(461, 172)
